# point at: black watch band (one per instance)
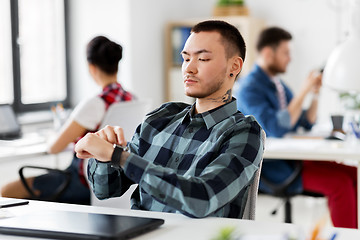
(116, 156)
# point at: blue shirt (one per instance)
(257, 96)
(195, 164)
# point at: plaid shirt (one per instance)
(199, 165)
(114, 93)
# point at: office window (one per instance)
(42, 51)
(35, 60)
(6, 76)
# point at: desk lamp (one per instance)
(342, 70)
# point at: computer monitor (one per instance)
(9, 125)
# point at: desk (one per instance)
(315, 149)
(177, 226)
(31, 149)
(32, 143)
(22, 148)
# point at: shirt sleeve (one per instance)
(221, 181)
(107, 181)
(303, 121)
(89, 113)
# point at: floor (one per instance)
(306, 211)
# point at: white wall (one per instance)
(139, 26)
(89, 18)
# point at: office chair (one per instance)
(59, 191)
(128, 115)
(281, 190)
(250, 207)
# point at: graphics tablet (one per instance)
(77, 225)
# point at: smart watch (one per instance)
(116, 155)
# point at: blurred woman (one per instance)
(103, 56)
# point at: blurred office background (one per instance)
(317, 27)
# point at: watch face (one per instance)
(124, 148)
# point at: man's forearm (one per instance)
(99, 176)
(311, 113)
(295, 107)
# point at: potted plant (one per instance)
(351, 102)
(230, 7)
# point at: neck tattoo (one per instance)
(224, 98)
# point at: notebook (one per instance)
(9, 126)
(77, 225)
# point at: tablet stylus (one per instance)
(13, 204)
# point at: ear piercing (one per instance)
(231, 75)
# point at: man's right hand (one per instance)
(99, 145)
(313, 82)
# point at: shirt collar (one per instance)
(264, 79)
(214, 116)
(111, 86)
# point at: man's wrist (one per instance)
(315, 96)
(116, 156)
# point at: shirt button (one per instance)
(191, 130)
(131, 175)
(177, 159)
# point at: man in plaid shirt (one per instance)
(199, 159)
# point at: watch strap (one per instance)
(116, 156)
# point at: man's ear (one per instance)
(237, 64)
(267, 52)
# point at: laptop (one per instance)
(9, 125)
(77, 225)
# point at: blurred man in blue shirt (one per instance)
(264, 95)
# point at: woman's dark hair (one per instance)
(232, 39)
(272, 37)
(104, 53)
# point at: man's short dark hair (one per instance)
(232, 39)
(272, 37)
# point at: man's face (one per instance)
(280, 58)
(205, 65)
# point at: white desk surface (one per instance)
(13, 150)
(311, 149)
(32, 143)
(177, 226)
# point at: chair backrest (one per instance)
(127, 115)
(250, 207)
